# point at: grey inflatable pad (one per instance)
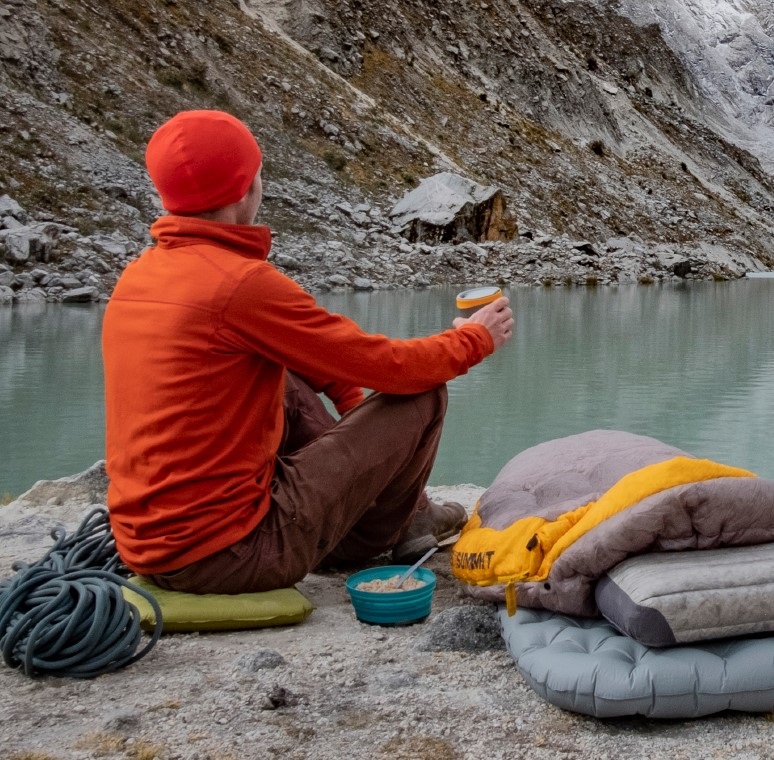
(668, 598)
(586, 666)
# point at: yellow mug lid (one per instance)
(470, 299)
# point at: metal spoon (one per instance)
(403, 578)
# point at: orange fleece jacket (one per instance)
(196, 339)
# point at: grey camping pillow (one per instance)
(585, 665)
(668, 598)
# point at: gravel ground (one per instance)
(329, 688)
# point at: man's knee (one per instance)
(428, 406)
(435, 401)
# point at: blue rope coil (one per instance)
(65, 615)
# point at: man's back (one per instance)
(191, 419)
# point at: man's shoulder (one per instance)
(200, 273)
(263, 275)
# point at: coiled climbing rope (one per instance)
(65, 615)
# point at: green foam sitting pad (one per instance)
(218, 612)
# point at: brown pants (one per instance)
(342, 492)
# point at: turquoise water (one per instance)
(692, 365)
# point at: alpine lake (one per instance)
(691, 364)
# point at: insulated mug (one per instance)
(470, 301)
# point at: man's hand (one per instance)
(497, 317)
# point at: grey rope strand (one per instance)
(65, 615)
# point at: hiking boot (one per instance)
(431, 525)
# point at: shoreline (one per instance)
(373, 255)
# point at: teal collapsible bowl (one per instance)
(391, 607)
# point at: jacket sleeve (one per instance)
(270, 314)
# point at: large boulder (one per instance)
(33, 242)
(447, 208)
(84, 488)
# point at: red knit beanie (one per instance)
(201, 161)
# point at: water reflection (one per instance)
(690, 365)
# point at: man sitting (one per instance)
(227, 474)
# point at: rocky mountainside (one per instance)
(631, 143)
(728, 49)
